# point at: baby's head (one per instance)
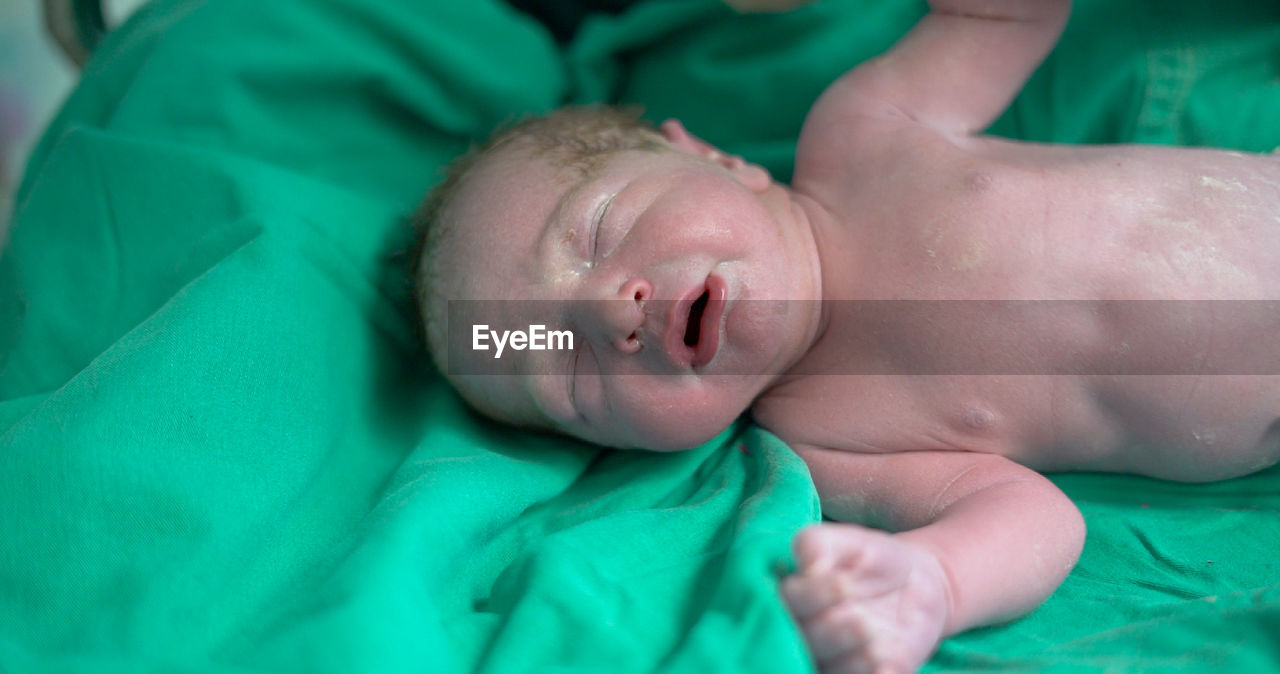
(645, 243)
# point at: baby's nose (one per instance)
(620, 315)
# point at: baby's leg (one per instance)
(866, 601)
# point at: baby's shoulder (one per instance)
(849, 413)
(889, 171)
(862, 146)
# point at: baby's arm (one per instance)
(956, 70)
(981, 540)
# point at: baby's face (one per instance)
(668, 269)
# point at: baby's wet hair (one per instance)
(578, 138)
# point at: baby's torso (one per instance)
(1095, 308)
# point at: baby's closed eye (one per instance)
(597, 223)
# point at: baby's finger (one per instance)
(871, 560)
(836, 634)
(859, 662)
(812, 550)
(808, 595)
(822, 547)
(855, 662)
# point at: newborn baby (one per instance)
(989, 309)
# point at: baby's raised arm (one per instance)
(956, 70)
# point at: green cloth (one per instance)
(221, 449)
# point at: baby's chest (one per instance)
(978, 234)
(1027, 418)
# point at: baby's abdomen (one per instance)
(1194, 428)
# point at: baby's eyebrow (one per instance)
(570, 192)
(557, 234)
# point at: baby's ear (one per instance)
(753, 176)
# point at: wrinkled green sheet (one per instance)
(221, 451)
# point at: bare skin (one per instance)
(927, 447)
(909, 203)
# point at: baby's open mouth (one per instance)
(694, 344)
(694, 327)
(702, 311)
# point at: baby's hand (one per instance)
(765, 5)
(866, 601)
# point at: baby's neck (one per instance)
(812, 226)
